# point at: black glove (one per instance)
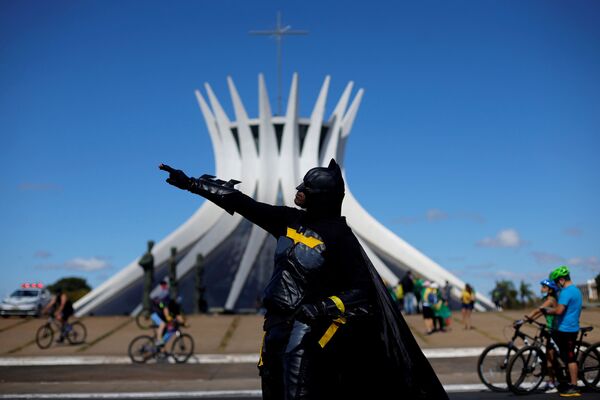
(206, 186)
(325, 309)
(543, 310)
(311, 312)
(176, 177)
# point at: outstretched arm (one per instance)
(273, 219)
(535, 314)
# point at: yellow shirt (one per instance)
(467, 297)
(399, 292)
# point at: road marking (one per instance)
(15, 324)
(105, 335)
(197, 358)
(188, 394)
(229, 333)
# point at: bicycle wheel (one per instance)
(44, 336)
(526, 370)
(182, 348)
(143, 320)
(76, 333)
(492, 363)
(141, 349)
(589, 367)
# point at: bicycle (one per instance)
(74, 332)
(143, 348)
(143, 320)
(589, 368)
(493, 361)
(528, 367)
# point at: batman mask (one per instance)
(324, 189)
(323, 180)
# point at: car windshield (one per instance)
(24, 293)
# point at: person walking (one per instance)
(437, 305)
(399, 293)
(467, 304)
(447, 292)
(408, 288)
(429, 298)
(418, 291)
(445, 310)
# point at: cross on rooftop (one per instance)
(279, 32)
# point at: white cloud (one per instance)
(505, 238)
(506, 274)
(90, 264)
(80, 264)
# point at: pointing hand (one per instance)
(176, 177)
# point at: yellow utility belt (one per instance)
(335, 325)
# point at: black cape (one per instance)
(408, 366)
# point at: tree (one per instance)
(597, 279)
(74, 287)
(526, 294)
(505, 294)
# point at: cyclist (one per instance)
(158, 305)
(167, 319)
(549, 291)
(568, 311)
(62, 308)
(163, 291)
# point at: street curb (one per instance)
(251, 358)
(191, 394)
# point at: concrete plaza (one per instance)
(226, 347)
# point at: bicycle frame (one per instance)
(57, 325)
(524, 336)
(544, 333)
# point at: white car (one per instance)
(29, 299)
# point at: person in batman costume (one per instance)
(331, 328)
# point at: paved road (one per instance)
(453, 396)
(195, 381)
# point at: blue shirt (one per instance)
(571, 298)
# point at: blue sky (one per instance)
(477, 140)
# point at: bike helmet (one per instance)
(559, 272)
(550, 284)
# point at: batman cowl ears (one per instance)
(321, 180)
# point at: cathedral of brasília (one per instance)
(269, 155)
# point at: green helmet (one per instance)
(559, 272)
